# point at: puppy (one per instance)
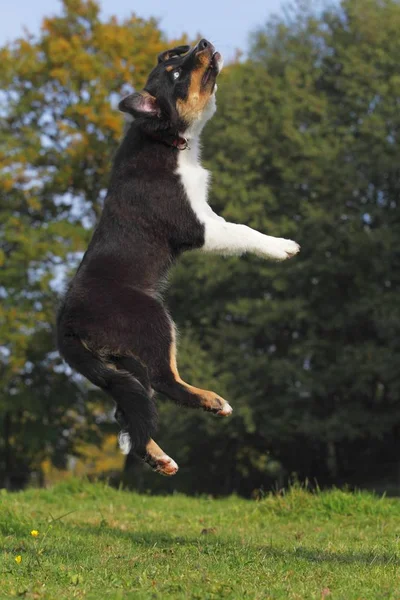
(112, 325)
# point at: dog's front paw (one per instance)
(281, 249)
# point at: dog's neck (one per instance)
(197, 126)
(193, 133)
(187, 141)
(174, 141)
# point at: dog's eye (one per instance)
(176, 74)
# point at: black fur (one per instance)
(112, 325)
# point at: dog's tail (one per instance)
(136, 410)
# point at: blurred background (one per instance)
(305, 145)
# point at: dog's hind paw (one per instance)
(160, 462)
(225, 411)
(165, 465)
(213, 403)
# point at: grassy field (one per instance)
(97, 542)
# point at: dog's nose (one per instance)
(204, 44)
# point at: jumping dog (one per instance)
(112, 326)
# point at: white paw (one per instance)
(165, 465)
(281, 249)
(225, 411)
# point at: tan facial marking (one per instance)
(204, 59)
(197, 98)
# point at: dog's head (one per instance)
(180, 91)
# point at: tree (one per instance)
(59, 129)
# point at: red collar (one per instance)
(179, 142)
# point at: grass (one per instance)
(97, 542)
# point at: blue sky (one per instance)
(225, 22)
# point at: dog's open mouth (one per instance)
(212, 69)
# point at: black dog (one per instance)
(112, 326)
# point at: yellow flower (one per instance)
(18, 559)
(34, 533)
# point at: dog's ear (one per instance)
(174, 52)
(140, 104)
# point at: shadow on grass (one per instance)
(159, 540)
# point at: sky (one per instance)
(226, 23)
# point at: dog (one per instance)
(112, 325)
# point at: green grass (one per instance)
(115, 544)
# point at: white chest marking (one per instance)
(195, 180)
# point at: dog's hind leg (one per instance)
(135, 406)
(152, 454)
(150, 342)
(116, 353)
(166, 379)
